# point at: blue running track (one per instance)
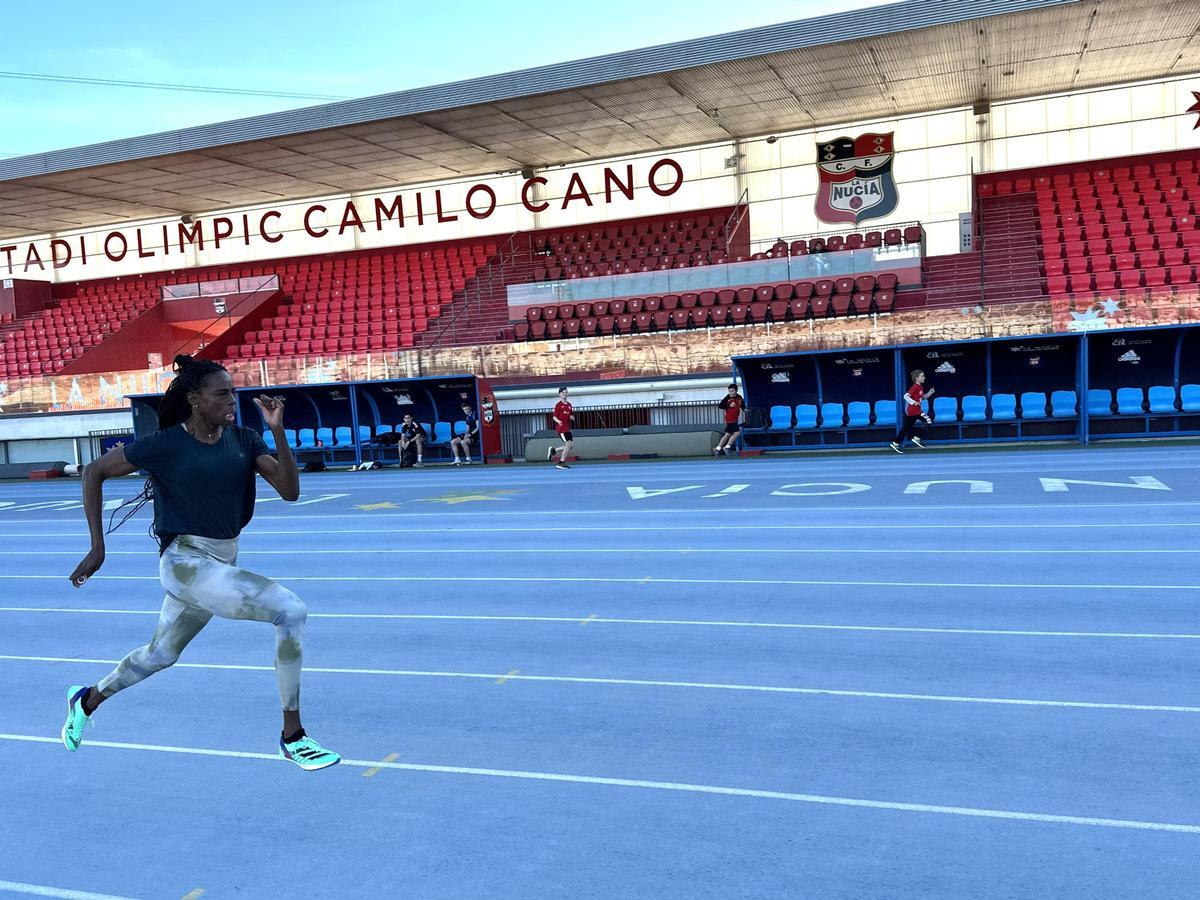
(955, 675)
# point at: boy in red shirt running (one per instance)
(563, 414)
(912, 411)
(733, 404)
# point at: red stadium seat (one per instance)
(1155, 277)
(1182, 275)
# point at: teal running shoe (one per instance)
(77, 719)
(307, 753)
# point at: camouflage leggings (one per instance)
(202, 580)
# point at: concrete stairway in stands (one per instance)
(1006, 267)
(952, 280)
(1010, 239)
(478, 314)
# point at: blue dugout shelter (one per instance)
(344, 421)
(1112, 384)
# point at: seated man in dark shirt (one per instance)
(412, 435)
(463, 441)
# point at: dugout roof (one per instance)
(892, 60)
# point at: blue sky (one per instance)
(353, 49)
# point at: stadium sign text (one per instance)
(328, 220)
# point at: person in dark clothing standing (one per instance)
(202, 467)
(912, 412)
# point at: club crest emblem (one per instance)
(856, 181)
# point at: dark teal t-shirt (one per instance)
(201, 489)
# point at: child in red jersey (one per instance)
(912, 411)
(563, 414)
(733, 403)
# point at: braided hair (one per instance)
(173, 409)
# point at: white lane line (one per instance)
(699, 510)
(541, 551)
(650, 579)
(706, 623)
(651, 682)
(43, 890)
(819, 799)
(857, 526)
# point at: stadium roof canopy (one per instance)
(881, 62)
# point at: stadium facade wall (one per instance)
(936, 155)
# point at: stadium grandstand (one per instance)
(908, 173)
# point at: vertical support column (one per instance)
(988, 387)
(1082, 389)
(354, 424)
(898, 377)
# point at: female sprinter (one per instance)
(201, 469)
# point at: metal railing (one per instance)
(763, 245)
(736, 218)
